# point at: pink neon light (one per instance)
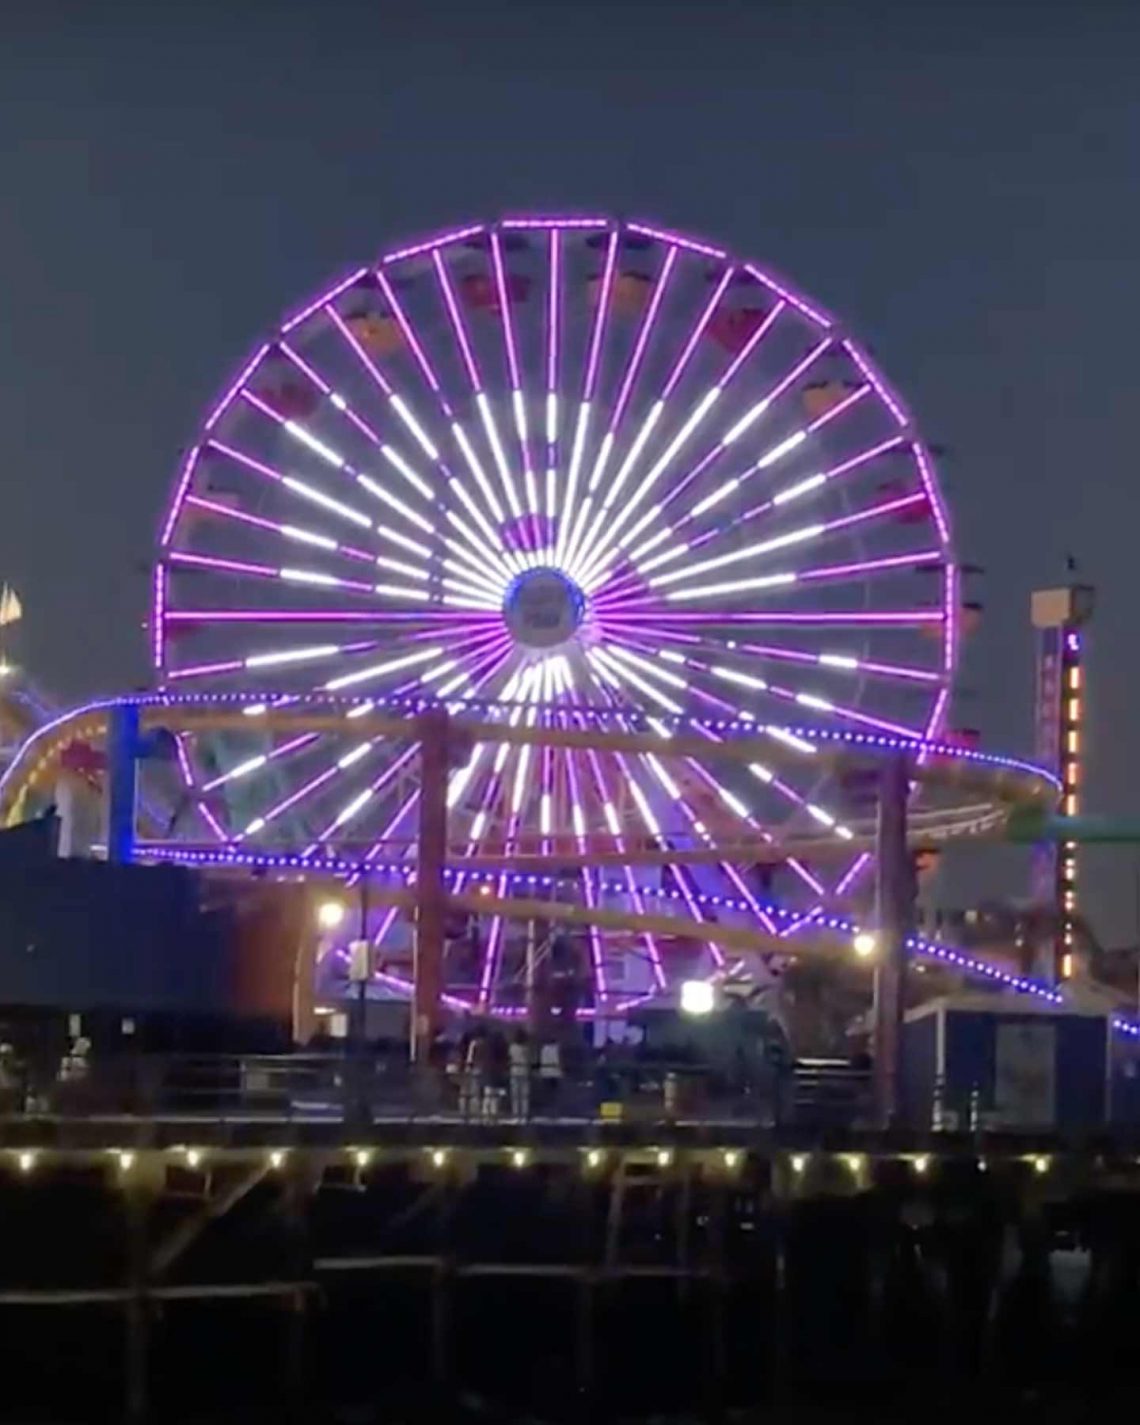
(306, 739)
(431, 244)
(592, 361)
(201, 670)
(377, 617)
(410, 336)
(328, 296)
(567, 223)
(359, 351)
(882, 390)
(930, 485)
(838, 409)
(638, 353)
(873, 512)
(457, 323)
(870, 566)
(552, 312)
(505, 311)
(677, 240)
(235, 386)
(204, 561)
(789, 294)
(815, 618)
(188, 466)
(696, 334)
(247, 460)
(157, 614)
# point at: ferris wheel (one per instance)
(571, 461)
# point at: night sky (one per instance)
(958, 181)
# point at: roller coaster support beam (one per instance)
(894, 921)
(122, 781)
(431, 893)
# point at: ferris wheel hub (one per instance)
(543, 608)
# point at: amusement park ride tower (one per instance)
(1059, 616)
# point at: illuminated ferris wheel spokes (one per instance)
(557, 462)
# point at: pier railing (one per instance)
(339, 1088)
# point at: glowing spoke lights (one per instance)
(603, 465)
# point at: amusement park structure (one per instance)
(584, 598)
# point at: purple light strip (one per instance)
(638, 903)
(457, 325)
(552, 333)
(296, 744)
(326, 390)
(816, 618)
(378, 617)
(695, 335)
(882, 390)
(202, 670)
(329, 295)
(361, 355)
(234, 566)
(411, 338)
(593, 360)
(432, 244)
(227, 512)
(677, 240)
(187, 474)
(190, 782)
(505, 312)
(782, 289)
(871, 566)
(838, 409)
(597, 957)
(234, 387)
(633, 366)
(565, 223)
(158, 616)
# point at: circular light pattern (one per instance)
(556, 462)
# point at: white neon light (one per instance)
(346, 813)
(305, 536)
(318, 497)
(394, 503)
(789, 739)
(291, 655)
(602, 460)
(243, 769)
(397, 591)
(318, 447)
(395, 459)
(551, 417)
(488, 418)
(763, 773)
(519, 406)
(747, 419)
(636, 448)
(338, 401)
(823, 817)
(477, 470)
(350, 758)
(793, 492)
(411, 545)
(619, 650)
(383, 562)
(810, 700)
(402, 409)
(782, 541)
(732, 675)
(706, 591)
(778, 451)
(347, 680)
(308, 576)
(838, 660)
(715, 498)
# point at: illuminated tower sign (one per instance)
(1058, 616)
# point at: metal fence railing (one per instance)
(340, 1086)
